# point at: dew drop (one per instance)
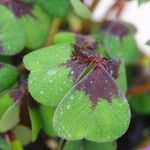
(68, 107)
(111, 72)
(61, 112)
(9, 47)
(69, 136)
(91, 82)
(71, 97)
(108, 137)
(119, 105)
(51, 72)
(83, 87)
(50, 81)
(42, 92)
(38, 62)
(72, 72)
(1, 36)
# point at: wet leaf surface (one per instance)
(12, 37)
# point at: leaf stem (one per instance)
(145, 87)
(14, 142)
(62, 144)
(21, 68)
(56, 22)
(117, 7)
(94, 4)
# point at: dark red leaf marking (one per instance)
(18, 93)
(76, 69)
(116, 28)
(32, 103)
(112, 68)
(17, 7)
(99, 83)
(86, 41)
(12, 136)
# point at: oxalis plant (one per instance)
(63, 83)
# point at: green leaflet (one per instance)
(125, 48)
(41, 118)
(88, 145)
(48, 83)
(58, 8)
(140, 103)
(4, 145)
(122, 79)
(46, 114)
(49, 86)
(23, 134)
(68, 37)
(36, 27)
(10, 108)
(12, 113)
(47, 58)
(74, 118)
(80, 9)
(35, 123)
(72, 38)
(5, 102)
(8, 76)
(12, 37)
(142, 1)
(64, 37)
